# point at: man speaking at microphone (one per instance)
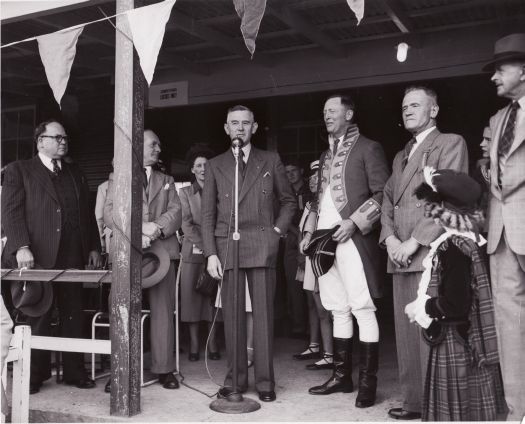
(266, 207)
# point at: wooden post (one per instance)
(126, 295)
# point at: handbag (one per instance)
(206, 284)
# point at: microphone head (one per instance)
(237, 142)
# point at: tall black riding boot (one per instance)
(368, 364)
(341, 379)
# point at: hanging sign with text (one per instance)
(171, 94)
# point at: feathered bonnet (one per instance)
(453, 190)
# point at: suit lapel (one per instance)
(42, 176)
(414, 164)
(155, 185)
(253, 169)
(494, 160)
(226, 166)
(520, 137)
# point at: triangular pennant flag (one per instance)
(358, 7)
(57, 52)
(251, 13)
(148, 25)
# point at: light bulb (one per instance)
(402, 50)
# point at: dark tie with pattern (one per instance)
(408, 149)
(56, 168)
(334, 146)
(506, 139)
(242, 164)
(145, 179)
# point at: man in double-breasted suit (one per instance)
(266, 208)
(352, 174)
(506, 229)
(49, 224)
(161, 218)
(407, 233)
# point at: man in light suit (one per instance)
(161, 218)
(407, 233)
(352, 174)
(49, 224)
(506, 238)
(266, 208)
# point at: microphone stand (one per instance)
(235, 403)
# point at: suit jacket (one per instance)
(264, 183)
(507, 203)
(402, 214)
(190, 199)
(160, 204)
(357, 187)
(32, 215)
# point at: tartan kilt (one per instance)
(455, 389)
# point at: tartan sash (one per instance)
(482, 338)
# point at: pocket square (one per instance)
(266, 174)
(167, 186)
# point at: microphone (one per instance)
(237, 142)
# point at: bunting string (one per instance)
(65, 29)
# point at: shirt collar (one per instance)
(421, 136)
(46, 160)
(522, 103)
(246, 151)
(148, 171)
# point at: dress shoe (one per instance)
(311, 352)
(194, 357)
(225, 392)
(34, 388)
(402, 414)
(214, 356)
(267, 396)
(82, 383)
(107, 387)
(168, 381)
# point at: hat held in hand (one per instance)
(155, 265)
(321, 250)
(32, 298)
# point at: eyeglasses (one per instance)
(58, 138)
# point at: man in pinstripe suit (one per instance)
(407, 233)
(506, 239)
(48, 222)
(266, 208)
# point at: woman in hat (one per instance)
(454, 306)
(318, 317)
(195, 307)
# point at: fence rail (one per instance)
(69, 275)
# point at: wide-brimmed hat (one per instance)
(155, 265)
(32, 298)
(508, 48)
(454, 190)
(321, 250)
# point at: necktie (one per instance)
(242, 164)
(408, 149)
(334, 146)
(506, 139)
(145, 179)
(56, 168)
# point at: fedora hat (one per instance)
(155, 265)
(321, 250)
(32, 298)
(508, 48)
